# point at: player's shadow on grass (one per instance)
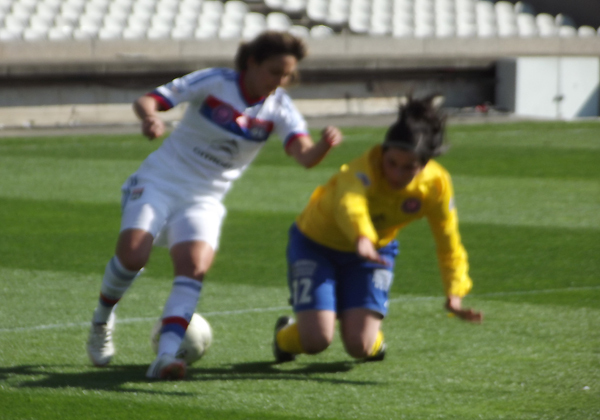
(109, 378)
(112, 378)
(273, 371)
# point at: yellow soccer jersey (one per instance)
(357, 201)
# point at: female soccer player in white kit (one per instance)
(175, 197)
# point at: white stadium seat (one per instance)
(524, 7)
(12, 34)
(567, 31)
(182, 32)
(277, 21)
(402, 31)
(316, 10)
(546, 25)
(274, 4)
(586, 31)
(107, 33)
(294, 7)
(134, 33)
(60, 33)
(321, 31)
(526, 25)
(564, 20)
(254, 24)
(300, 31)
(35, 34)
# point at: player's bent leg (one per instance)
(310, 334)
(360, 329)
(133, 250)
(316, 329)
(191, 260)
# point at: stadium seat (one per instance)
(106, 33)
(35, 34)
(424, 30)
(254, 24)
(402, 31)
(134, 33)
(274, 4)
(524, 7)
(564, 20)
(60, 33)
(466, 29)
(300, 31)
(277, 21)
(567, 31)
(486, 29)
(294, 7)
(316, 10)
(359, 23)
(321, 31)
(235, 8)
(182, 32)
(586, 31)
(338, 12)
(11, 34)
(187, 7)
(526, 25)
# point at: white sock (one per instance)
(177, 313)
(117, 279)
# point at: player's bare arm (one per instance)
(308, 153)
(454, 306)
(147, 108)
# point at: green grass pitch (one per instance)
(528, 196)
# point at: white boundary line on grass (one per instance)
(283, 308)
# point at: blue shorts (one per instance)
(321, 278)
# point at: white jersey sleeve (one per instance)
(288, 122)
(191, 87)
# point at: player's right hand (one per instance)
(365, 249)
(153, 127)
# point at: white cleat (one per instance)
(100, 347)
(167, 367)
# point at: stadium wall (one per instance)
(88, 82)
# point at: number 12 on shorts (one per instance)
(301, 289)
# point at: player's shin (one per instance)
(177, 313)
(117, 279)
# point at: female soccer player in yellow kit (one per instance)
(341, 248)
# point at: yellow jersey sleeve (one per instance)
(443, 221)
(351, 212)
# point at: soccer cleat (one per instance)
(100, 347)
(379, 356)
(280, 355)
(167, 367)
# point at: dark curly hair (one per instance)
(269, 44)
(420, 128)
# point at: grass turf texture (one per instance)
(528, 196)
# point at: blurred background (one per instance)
(82, 62)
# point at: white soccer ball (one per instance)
(198, 338)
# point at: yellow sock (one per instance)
(288, 339)
(377, 345)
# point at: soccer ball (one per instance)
(198, 338)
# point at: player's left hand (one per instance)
(454, 306)
(331, 135)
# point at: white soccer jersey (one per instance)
(220, 133)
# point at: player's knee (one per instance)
(357, 347)
(133, 261)
(316, 343)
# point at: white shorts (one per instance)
(170, 214)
